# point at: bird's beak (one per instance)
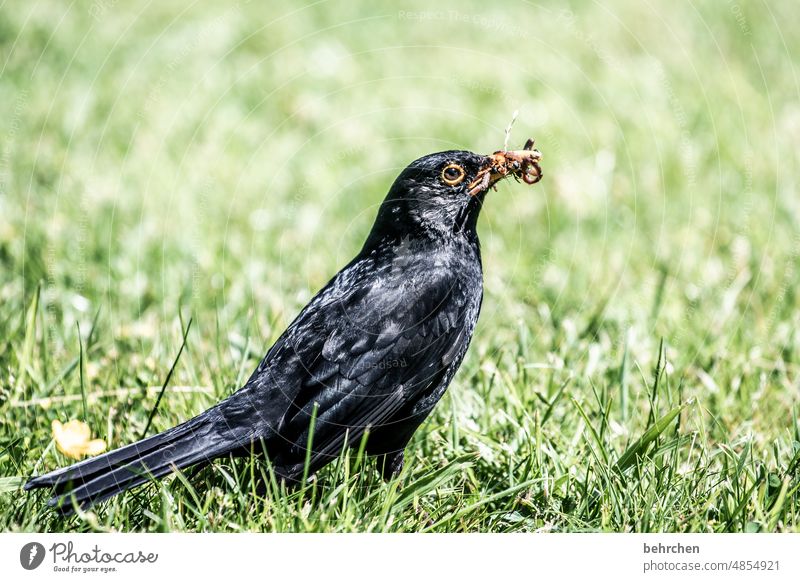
(522, 164)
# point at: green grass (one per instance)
(636, 363)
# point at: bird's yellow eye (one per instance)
(453, 174)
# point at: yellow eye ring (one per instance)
(453, 174)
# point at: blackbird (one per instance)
(372, 352)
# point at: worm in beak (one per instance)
(522, 164)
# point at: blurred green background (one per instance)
(173, 160)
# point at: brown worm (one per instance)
(522, 164)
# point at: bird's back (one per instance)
(375, 348)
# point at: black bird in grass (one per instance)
(373, 351)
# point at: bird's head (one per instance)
(442, 193)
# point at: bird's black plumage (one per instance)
(375, 349)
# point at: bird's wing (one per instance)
(358, 358)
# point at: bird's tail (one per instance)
(202, 438)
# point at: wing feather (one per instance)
(362, 356)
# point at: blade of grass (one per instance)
(166, 381)
(483, 501)
(28, 341)
(555, 399)
(595, 436)
(639, 447)
(431, 481)
(81, 366)
(9, 484)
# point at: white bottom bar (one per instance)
(440, 557)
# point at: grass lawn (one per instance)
(637, 362)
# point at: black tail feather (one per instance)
(90, 468)
(151, 466)
(200, 439)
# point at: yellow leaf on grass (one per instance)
(74, 439)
